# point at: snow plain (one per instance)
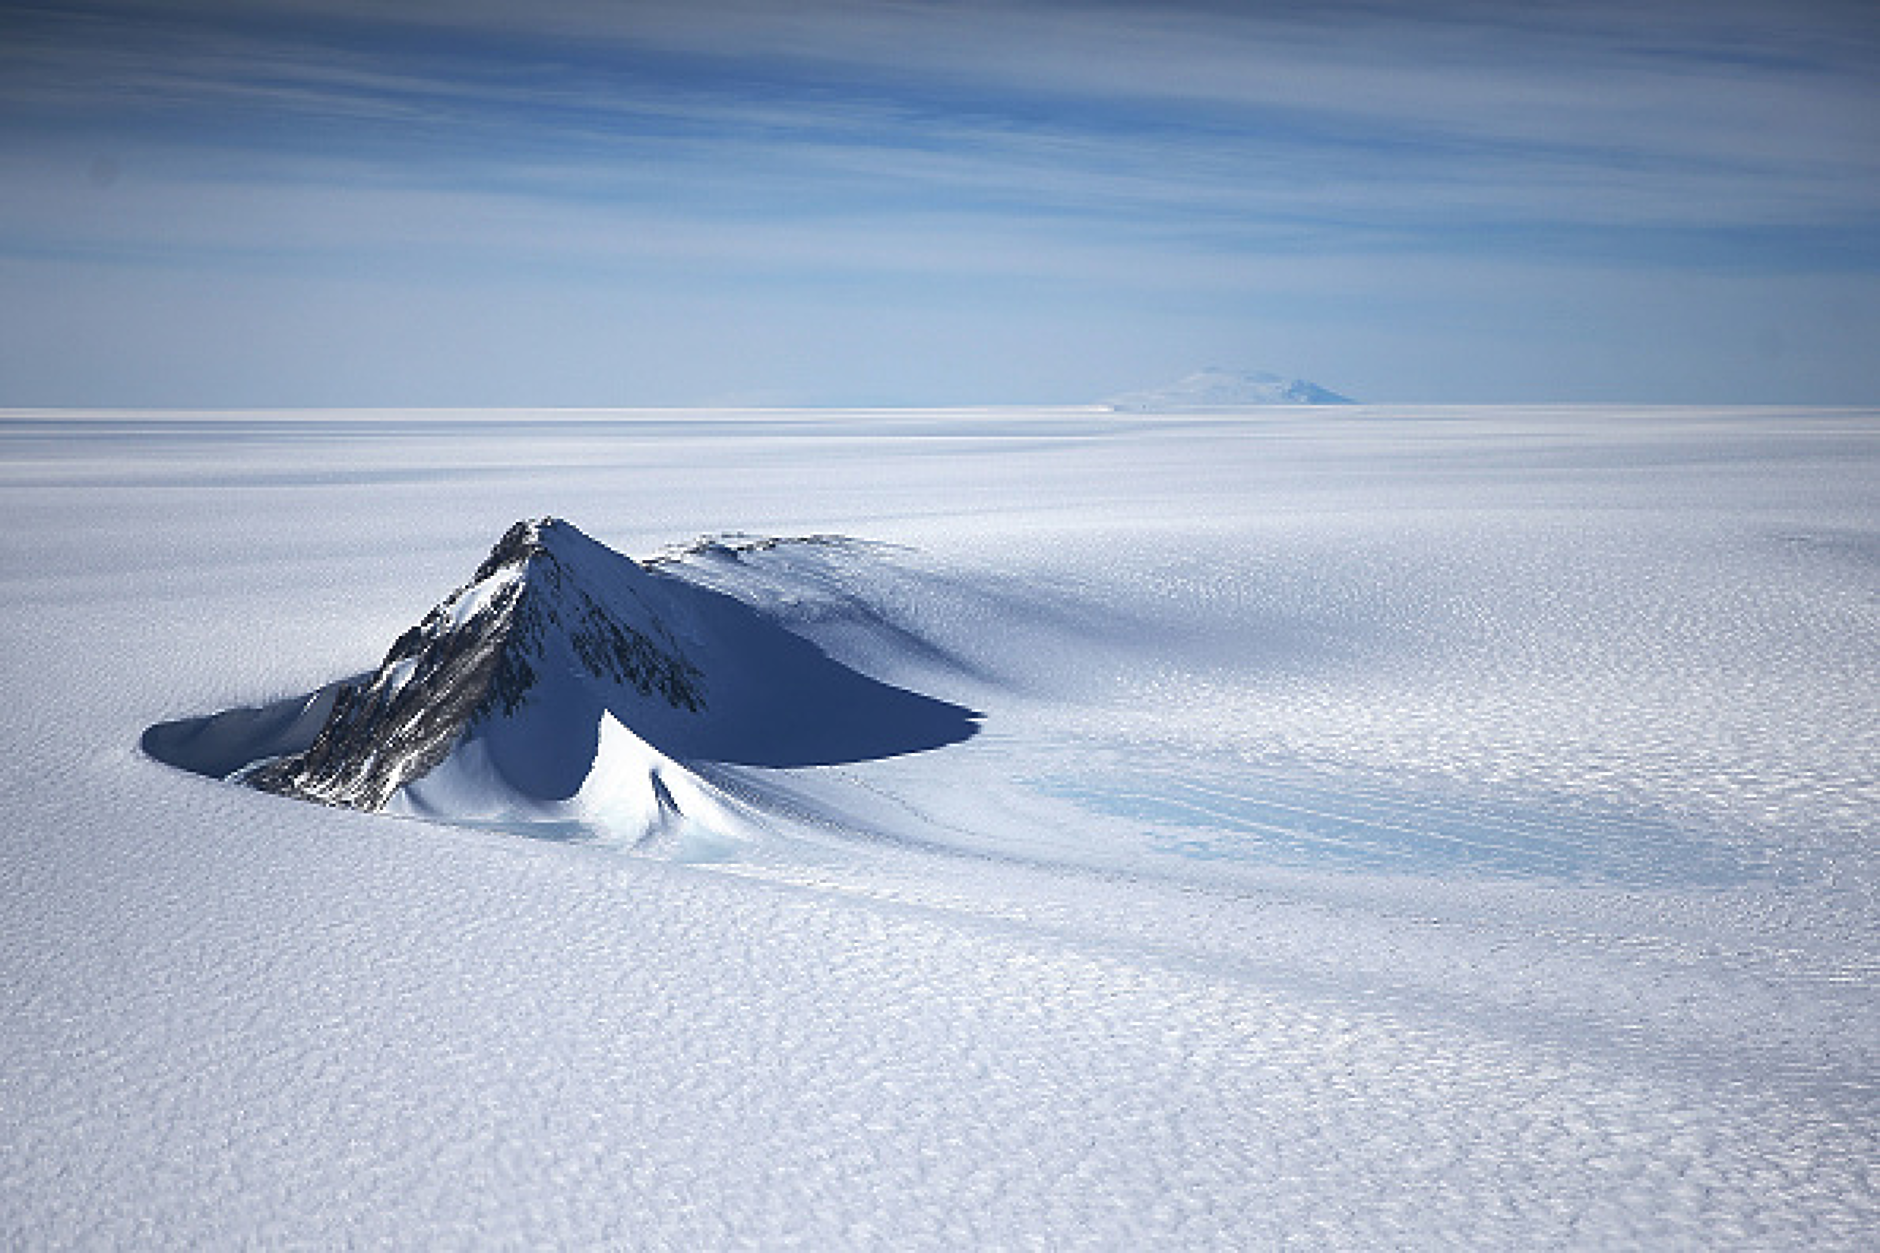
(1387, 828)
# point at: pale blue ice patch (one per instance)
(1254, 816)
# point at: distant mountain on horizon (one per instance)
(1217, 388)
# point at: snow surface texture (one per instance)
(1386, 828)
(1215, 388)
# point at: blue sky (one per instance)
(586, 203)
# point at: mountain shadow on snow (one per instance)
(516, 678)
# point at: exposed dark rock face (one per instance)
(531, 609)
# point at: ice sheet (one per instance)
(1389, 828)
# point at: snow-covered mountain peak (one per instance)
(521, 544)
(549, 618)
(549, 560)
(1217, 388)
(562, 665)
(544, 545)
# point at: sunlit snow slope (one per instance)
(1379, 828)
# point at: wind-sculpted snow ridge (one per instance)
(563, 686)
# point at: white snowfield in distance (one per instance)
(1376, 828)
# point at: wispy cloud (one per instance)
(1139, 149)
